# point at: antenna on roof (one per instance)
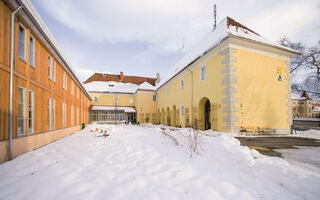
(215, 16)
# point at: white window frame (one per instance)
(53, 114)
(203, 77)
(72, 115)
(116, 99)
(54, 70)
(49, 114)
(72, 88)
(24, 112)
(33, 51)
(31, 128)
(49, 66)
(131, 100)
(24, 42)
(182, 111)
(77, 116)
(182, 84)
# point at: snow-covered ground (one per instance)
(137, 162)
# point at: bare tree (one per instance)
(309, 59)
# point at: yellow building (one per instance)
(234, 80)
(122, 99)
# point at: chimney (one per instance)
(121, 76)
(158, 77)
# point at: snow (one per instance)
(111, 86)
(297, 97)
(315, 134)
(29, 6)
(124, 108)
(116, 87)
(137, 162)
(146, 86)
(210, 41)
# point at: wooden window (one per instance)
(72, 88)
(53, 114)
(22, 42)
(64, 115)
(31, 50)
(49, 67)
(31, 112)
(77, 116)
(49, 114)
(72, 116)
(21, 111)
(182, 111)
(203, 74)
(54, 71)
(182, 85)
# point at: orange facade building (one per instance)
(48, 100)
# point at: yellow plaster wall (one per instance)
(108, 99)
(145, 107)
(263, 99)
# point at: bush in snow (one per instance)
(193, 140)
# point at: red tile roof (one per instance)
(116, 78)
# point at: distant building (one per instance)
(118, 98)
(302, 106)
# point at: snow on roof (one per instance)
(224, 29)
(29, 6)
(111, 86)
(146, 86)
(316, 108)
(112, 108)
(116, 87)
(297, 97)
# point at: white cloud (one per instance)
(164, 23)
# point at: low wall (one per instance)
(308, 122)
(28, 143)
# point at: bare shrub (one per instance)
(193, 141)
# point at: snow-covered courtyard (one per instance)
(147, 162)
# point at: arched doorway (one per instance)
(168, 117)
(204, 114)
(174, 115)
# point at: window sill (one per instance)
(23, 60)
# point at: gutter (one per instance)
(11, 80)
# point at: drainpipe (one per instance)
(11, 79)
(191, 98)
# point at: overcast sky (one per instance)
(142, 37)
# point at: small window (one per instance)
(131, 100)
(22, 42)
(31, 51)
(49, 67)
(78, 93)
(117, 99)
(49, 113)
(168, 92)
(72, 116)
(203, 75)
(182, 111)
(53, 114)
(182, 85)
(54, 71)
(95, 99)
(31, 112)
(72, 88)
(154, 97)
(21, 111)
